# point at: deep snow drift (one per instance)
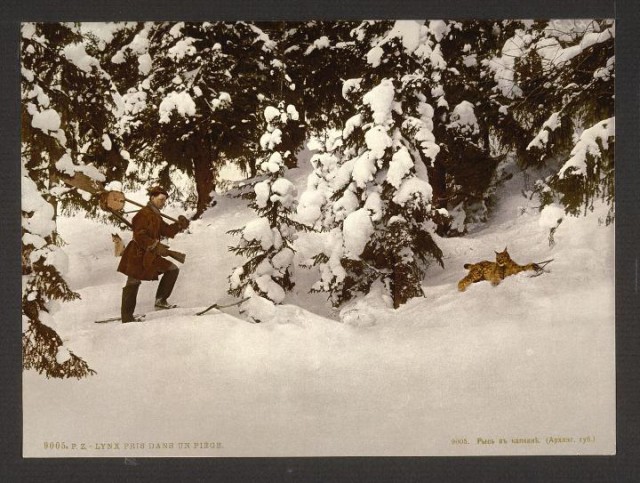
(530, 358)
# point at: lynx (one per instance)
(493, 272)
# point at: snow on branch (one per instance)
(553, 53)
(590, 143)
(463, 119)
(176, 101)
(542, 138)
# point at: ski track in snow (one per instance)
(530, 357)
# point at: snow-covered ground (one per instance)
(530, 358)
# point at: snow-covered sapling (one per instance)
(267, 240)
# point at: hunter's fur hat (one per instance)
(157, 190)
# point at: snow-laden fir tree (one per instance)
(65, 118)
(266, 242)
(43, 268)
(318, 54)
(193, 100)
(68, 112)
(314, 208)
(165, 114)
(383, 217)
(569, 68)
(317, 209)
(468, 118)
(555, 83)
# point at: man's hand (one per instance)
(183, 223)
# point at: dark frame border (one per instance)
(622, 467)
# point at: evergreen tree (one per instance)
(458, 87)
(572, 67)
(267, 240)
(555, 83)
(314, 208)
(43, 267)
(194, 105)
(319, 57)
(383, 214)
(468, 118)
(67, 112)
(64, 117)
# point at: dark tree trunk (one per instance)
(52, 200)
(438, 181)
(202, 168)
(253, 167)
(405, 283)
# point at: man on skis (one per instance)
(143, 259)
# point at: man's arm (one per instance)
(175, 228)
(169, 230)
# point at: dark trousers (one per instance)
(167, 282)
(130, 291)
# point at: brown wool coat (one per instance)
(138, 259)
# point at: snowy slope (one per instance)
(531, 358)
